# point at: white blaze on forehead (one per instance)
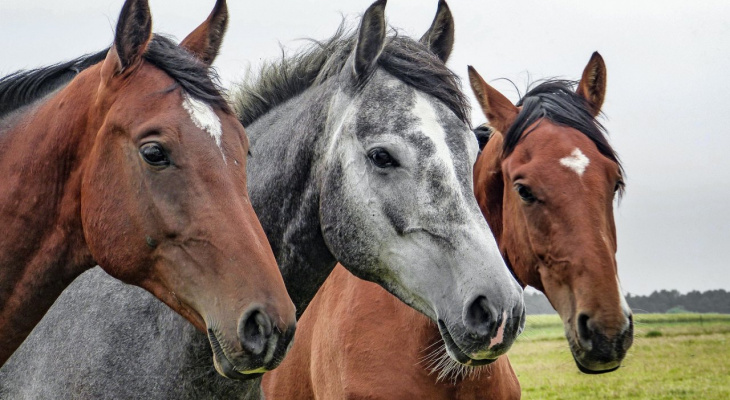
(577, 161)
(431, 127)
(204, 118)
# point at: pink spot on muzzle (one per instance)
(497, 339)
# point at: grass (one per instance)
(674, 356)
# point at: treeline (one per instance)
(662, 301)
(711, 301)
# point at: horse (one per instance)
(361, 153)
(137, 165)
(545, 181)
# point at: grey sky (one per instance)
(668, 87)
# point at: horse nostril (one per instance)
(585, 333)
(254, 331)
(478, 317)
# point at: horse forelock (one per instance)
(556, 101)
(196, 78)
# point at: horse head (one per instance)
(546, 182)
(164, 201)
(397, 204)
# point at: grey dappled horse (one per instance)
(361, 153)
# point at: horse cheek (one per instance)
(108, 211)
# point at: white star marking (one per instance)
(577, 161)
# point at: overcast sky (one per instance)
(666, 110)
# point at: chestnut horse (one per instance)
(138, 164)
(545, 182)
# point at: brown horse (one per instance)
(546, 182)
(138, 164)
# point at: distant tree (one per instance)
(711, 301)
(662, 301)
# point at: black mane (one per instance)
(557, 101)
(24, 87)
(404, 58)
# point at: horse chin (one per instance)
(455, 352)
(596, 371)
(225, 367)
(586, 365)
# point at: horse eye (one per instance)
(381, 158)
(154, 155)
(525, 193)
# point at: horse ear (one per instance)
(133, 33)
(592, 86)
(371, 39)
(497, 108)
(205, 41)
(440, 36)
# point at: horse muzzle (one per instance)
(485, 335)
(263, 347)
(595, 352)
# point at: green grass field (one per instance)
(674, 356)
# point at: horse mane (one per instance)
(24, 87)
(557, 101)
(404, 58)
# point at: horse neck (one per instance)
(43, 248)
(289, 144)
